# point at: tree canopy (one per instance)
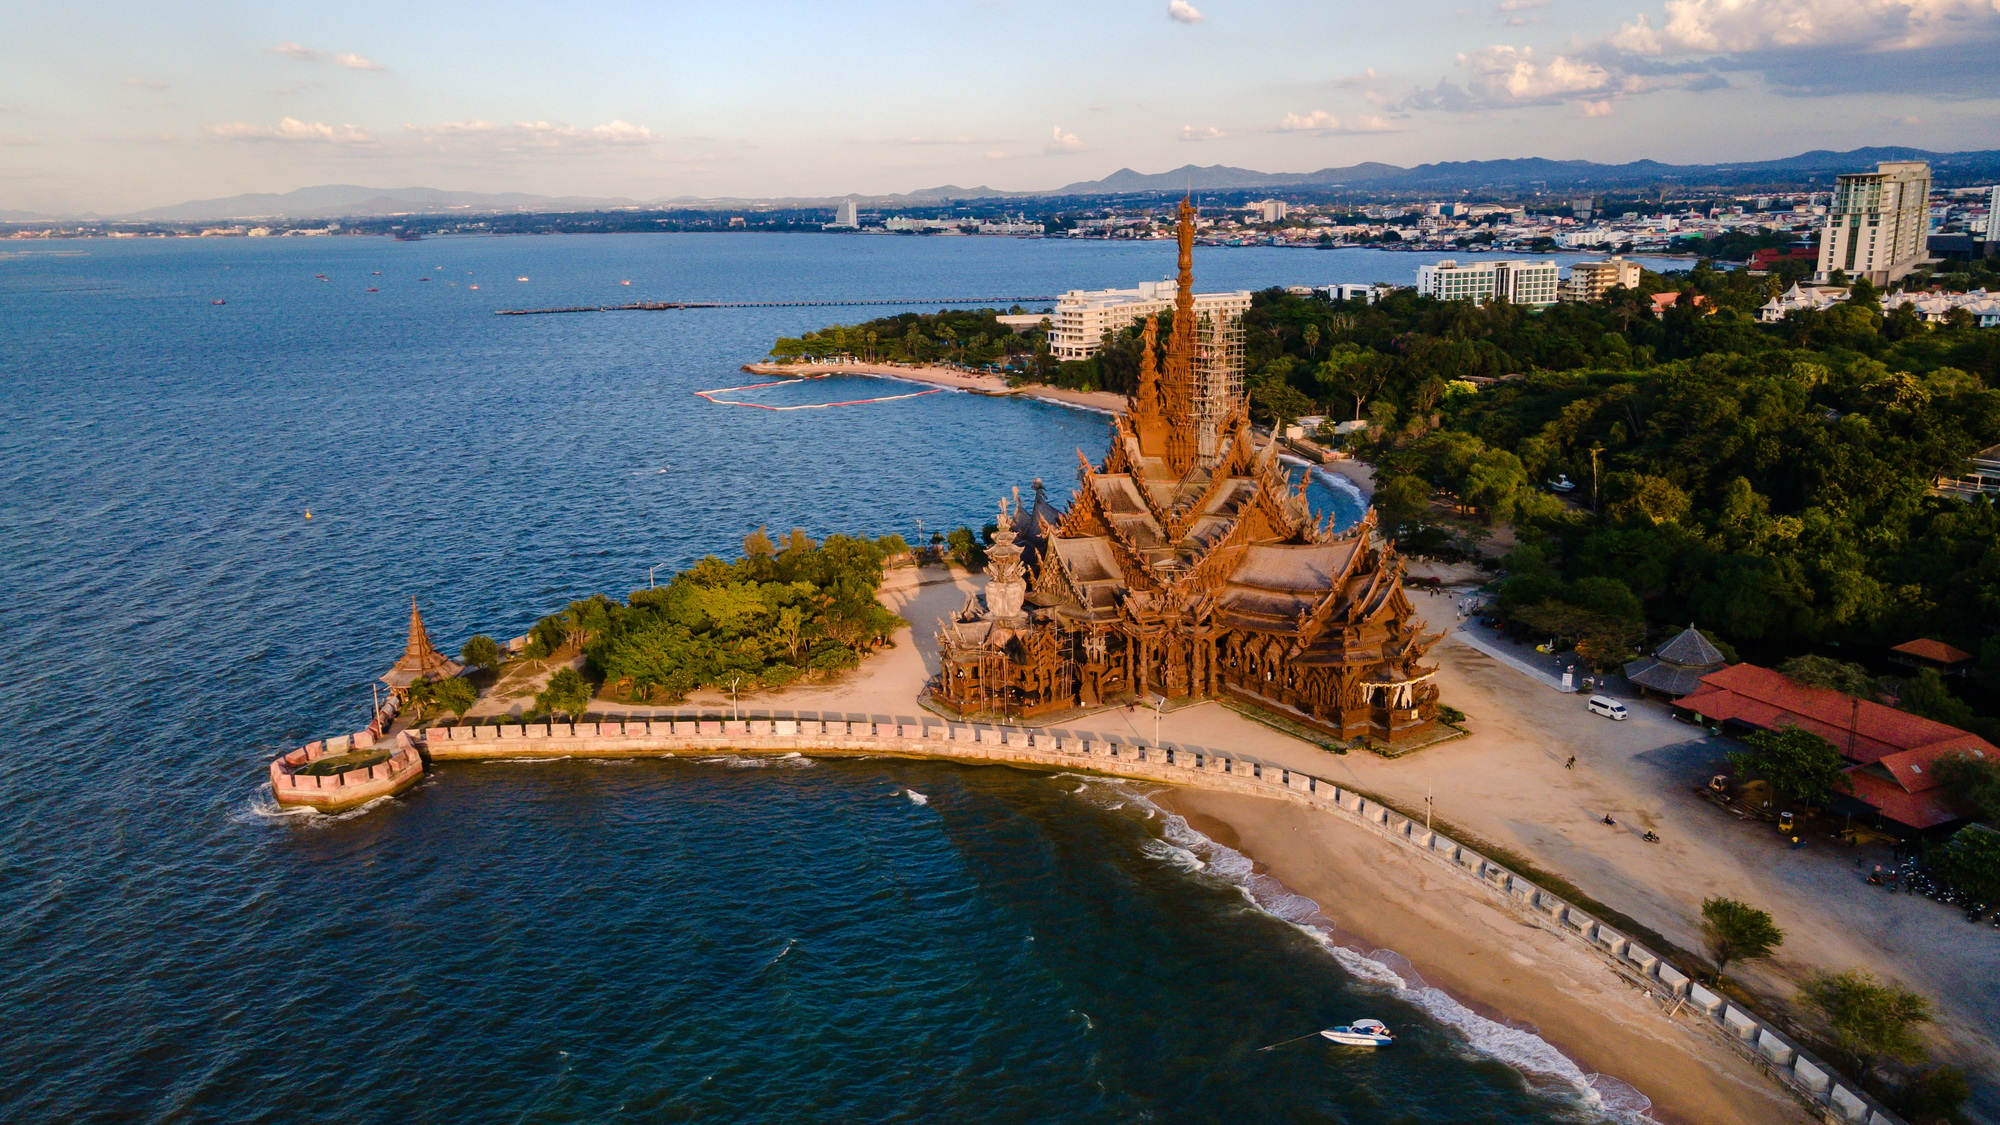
(1737, 931)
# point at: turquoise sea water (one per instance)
(576, 941)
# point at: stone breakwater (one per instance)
(1808, 1078)
(345, 789)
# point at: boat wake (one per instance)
(1518, 1046)
(792, 761)
(916, 798)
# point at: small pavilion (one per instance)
(421, 660)
(1675, 669)
(1927, 653)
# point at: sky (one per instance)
(121, 105)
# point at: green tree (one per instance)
(965, 548)
(1970, 862)
(567, 694)
(1973, 780)
(1737, 931)
(1830, 674)
(481, 652)
(1926, 694)
(420, 697)
(454, 694)
(1798, 764)
(1933, 1097)
(1869, 1021)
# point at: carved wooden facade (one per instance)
(1190, 569)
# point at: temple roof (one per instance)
(421, 660)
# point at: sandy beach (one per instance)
(1380, 896)
(1102, 401)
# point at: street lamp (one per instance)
(1159, 704)
(734, 712)
(649, 574)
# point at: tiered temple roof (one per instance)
(421, 660)
(1187, 564)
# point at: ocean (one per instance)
(577, 941)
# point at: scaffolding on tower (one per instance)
(1218, 366)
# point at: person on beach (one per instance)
(1571, 764)
(1608, 820)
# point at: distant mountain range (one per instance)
(336, 201)
(1552, 175)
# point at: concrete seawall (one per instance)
(1808, 1078)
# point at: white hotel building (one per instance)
(1083, 316)
(1519, 281)
(1879, 224)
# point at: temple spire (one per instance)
(1179, 406)
(421, 660)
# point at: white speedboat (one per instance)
(1361, 1033)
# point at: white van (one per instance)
(1607, 707)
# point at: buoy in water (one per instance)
(309, 513)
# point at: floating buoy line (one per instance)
(710, 395)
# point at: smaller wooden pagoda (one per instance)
(421, 660)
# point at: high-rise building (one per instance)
(1589, 281)
(1519, 281)
(1082, 317)
(1993, 215)
(848, 217)
(1878, 223)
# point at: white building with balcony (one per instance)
(1879, 222)
(1519, 281)
(1083, 316)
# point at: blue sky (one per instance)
(122, 105)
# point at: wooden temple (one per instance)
(1187, 567)
(420, 660)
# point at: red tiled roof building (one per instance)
(1893, 751)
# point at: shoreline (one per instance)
(1496, 973)
(1101, 402)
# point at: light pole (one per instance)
(1159, 705)
(734, 713)
(649, 574)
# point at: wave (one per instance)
(916, 798)
(792, 761)
(1519, 1046)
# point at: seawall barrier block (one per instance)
(1676, 981)
(735, 726)
(362, 739)
(1576, 921)
(338, 743)
(1705, 1000)
(1810, 1076)
(1740, 1023)
(1848, 1104)
(583, 730)
(1611, 940)
(1641, 956)
(709, 727)
(509, 730)
(1772, 1047)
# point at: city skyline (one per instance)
(140, 108)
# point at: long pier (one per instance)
(663, 306)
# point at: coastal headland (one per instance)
(1104, 402)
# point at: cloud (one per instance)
(957, 140)
(524, 136)
(1062, 143)
(17, 139)
(293, 130)
(1736, 27)
(153, 84)
(1367, 77)
(1600, 108)
(299, 52)
(1201, 133)
(1183, 12)
(1326, 124)
(1940, 49)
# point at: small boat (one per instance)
(373, 289)
(1562, 483)
(1361, 1033)
(218, 301)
